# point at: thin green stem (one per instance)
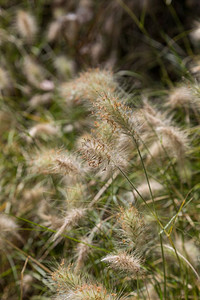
(145, 172)
(164, 270)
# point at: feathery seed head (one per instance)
(70, 27)
(153, 117)
(26, 25)
(108, 108)
(73, 286)
(67, 164)
(65, 25)
(95, 153)
(126, 263)
(65, 66)
(133, 228)
(27, 283)
(50, 161)
(175, 139)
(157, 150)
(33, 71)
(91, 292)
(54, 30)
(84, 11)
(195, 34)
(88, 85)
(41, 129)
(8, 229)
(40, 100)
(100, 155)
(104, 131)
(181, 97)
(195, 67)
(7, 224)
(65, 279)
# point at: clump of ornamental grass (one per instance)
(88, 86)
(108, 148)
(26, 25)
(128, 264)
(70, 285)
(58, 162)
(49, 190)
